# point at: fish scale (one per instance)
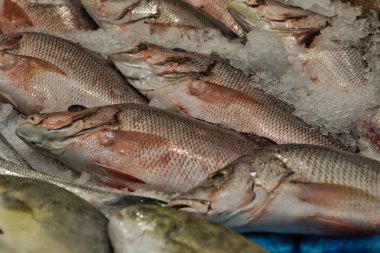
(60, 74)
(322, 165)
(210, 89)
(20, 15)
(146, 148)
(292, 188)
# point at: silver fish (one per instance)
(292, 189)
(39, 72)
(9, 153)
(36, 217)
(105, 199)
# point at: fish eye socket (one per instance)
(217, 176)
(76, 108)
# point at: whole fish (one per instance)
(292, 189)
(50, 16)
(152, 229)
(36, 216)
(218, 9)
(210, 89)
(160, 14)
(334, 65)
(134, 146)
(39, 72)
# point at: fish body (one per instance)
(219, 10)
(159, 14)
(54, 16)
(41, 72)
(36, 216)
(135, 146)
(162, 229)
(293, 188)
(209, 88)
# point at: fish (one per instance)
(36, 216)
(218, 9)
(9, 153)
(336, 65)
(159, 14)
(134, 146)
(107, 200)
(51, 16)
(160, 229)
(292, 188)
(210, 89)
(40, 72)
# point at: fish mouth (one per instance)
(191, 205)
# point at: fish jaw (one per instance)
(115, 13)
(53, 131)
(149, 67)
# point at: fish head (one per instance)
(115, 13)
(230, 189)
(241, 191)
(245, 13)
(150, 67)
(52, 133)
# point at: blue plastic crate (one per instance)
(315, 244)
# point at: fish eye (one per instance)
(76, 108)
(218, 175)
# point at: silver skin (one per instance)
(291, 188)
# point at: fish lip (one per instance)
(191, 205)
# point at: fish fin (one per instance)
(120, 174)
(5, 99)
(337, 227)
(323, 194)
(261, 141)
(14, 15)
(333, 198)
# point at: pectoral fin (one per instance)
(113, 172)
(340, 209)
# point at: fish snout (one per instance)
(191, 205)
